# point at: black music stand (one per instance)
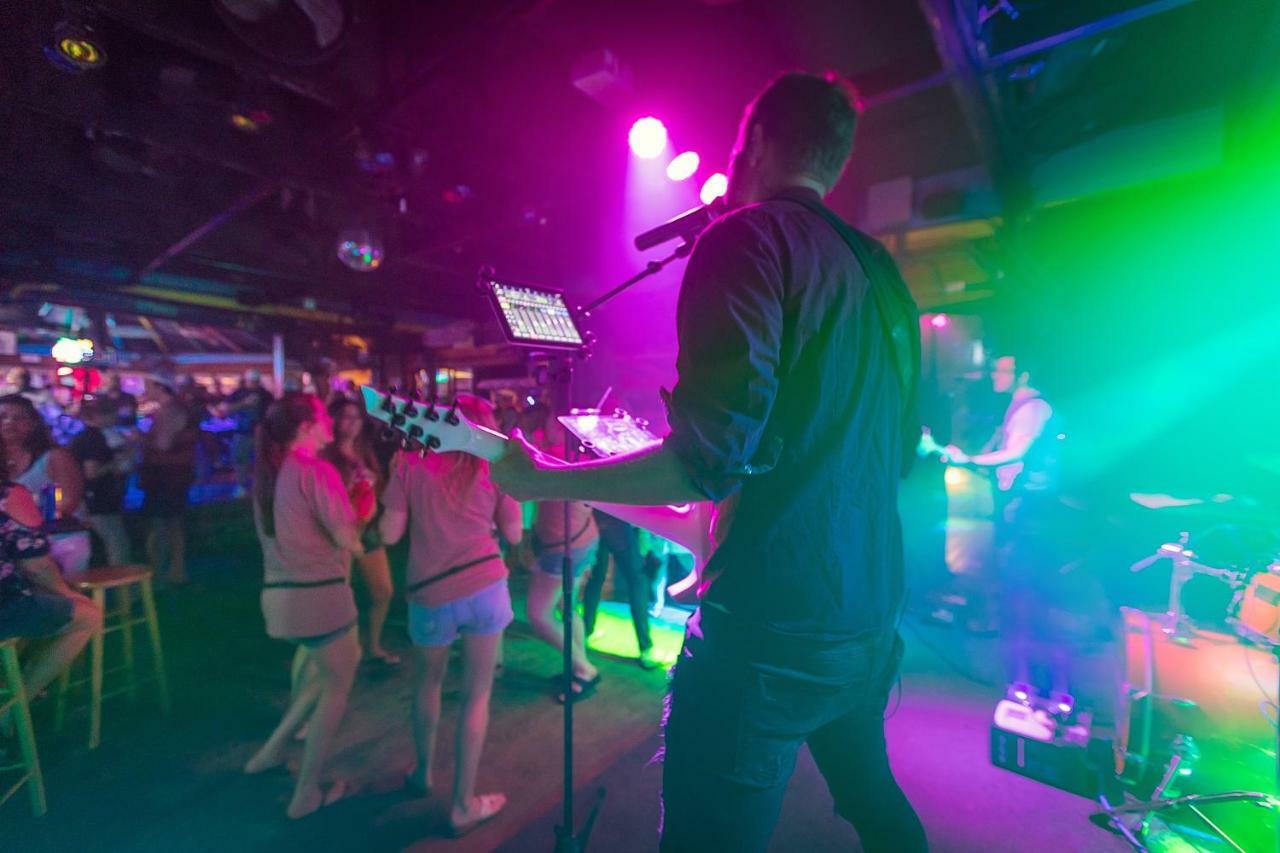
(540, 319)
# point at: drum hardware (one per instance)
(1114, 816)
(1187, 569)
(1184, 682)
(1184, 756)
(1259, 605)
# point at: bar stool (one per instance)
(13, 702)
(95, 583)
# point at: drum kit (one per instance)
(1198, 694)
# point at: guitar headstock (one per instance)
(421, 422)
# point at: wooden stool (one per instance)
(13, 702)
(95, 583)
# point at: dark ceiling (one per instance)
(133, 173)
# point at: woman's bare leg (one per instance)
(304, 691)
(430, 663)
(479, 656)
(544, 595)
(55, 655)
(336, 664)
(375, 568)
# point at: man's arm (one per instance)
(1024, 429)
(649, 477)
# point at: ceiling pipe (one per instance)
(219, 48)
(1000, 60)
(209, 226)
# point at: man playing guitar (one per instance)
(798, 357)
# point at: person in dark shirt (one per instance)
(125, 404)
(246, 406)
(105, 457)
(166, 474)
(798, 358)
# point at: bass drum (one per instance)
(1211, 686)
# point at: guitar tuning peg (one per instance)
(409, 411)
(452, 416)
(393, 389)
(415, 431)
(397, 420)
(404, 443)
(433, 442)
(432, 414)
(387, 404)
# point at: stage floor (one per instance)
(160, 784)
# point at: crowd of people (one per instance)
(328, 495)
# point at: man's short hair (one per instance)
(809, 119)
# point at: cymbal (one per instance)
(1231, 509)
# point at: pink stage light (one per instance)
(715, 187)
(683, 167)
(940, 321)
(648, 138)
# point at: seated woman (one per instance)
(309, 532)
(35, 602)
(35, 462)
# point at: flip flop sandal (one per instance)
(337, 791)
(382, 661)
(586, 689)
(488, 811)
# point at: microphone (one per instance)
(681, 226)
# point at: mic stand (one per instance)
(651, 268)
(562, 375)
(567, 841)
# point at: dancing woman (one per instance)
(456, 583)
(309, 531)
(355, 460)
(545, 584)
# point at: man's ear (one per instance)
(755, 146)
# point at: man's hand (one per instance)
(518, 473)
(955, 455)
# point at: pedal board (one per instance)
(1033, 743)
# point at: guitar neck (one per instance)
(428, 425)
(485, 443)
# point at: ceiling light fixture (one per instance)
(249, 121)
(648, 138)
(75, 47)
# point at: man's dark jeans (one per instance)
(619, 539)
(743, 701)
